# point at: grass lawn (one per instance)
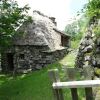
(75, 44)
(33, 86)
(69, 60)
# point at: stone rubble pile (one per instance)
(96, 53)
(85, 50)
(89, 50)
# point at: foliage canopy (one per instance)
(11, 17)
(92, 8)
(77, 27)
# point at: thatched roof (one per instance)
(39, 32)
(61, 32)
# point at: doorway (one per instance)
(10, 61)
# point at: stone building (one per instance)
(39, 44)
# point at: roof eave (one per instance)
(62, 33)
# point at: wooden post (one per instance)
(71, 75)
(54, 76)
(87, 84)
(74, 94)
(89, 93)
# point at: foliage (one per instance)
(97, 31)
(69, 60)
(77, 27)
(75, 44)
(11, 17)
(97, 71)
(72, 29)
(92, 8)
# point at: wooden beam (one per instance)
(54, 76)
(70, 73)
(76, 84)
(74, 93)
(89, 93)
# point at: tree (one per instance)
(11, 17)
(92, 8)
(72, 29)
(77, 27)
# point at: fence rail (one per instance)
(57, 86)
(76, 84)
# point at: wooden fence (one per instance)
(57, 86)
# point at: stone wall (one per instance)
(96, 53)
(27, 58)
(37, 57)
(89, 50)
(85, 50)
(57, 39)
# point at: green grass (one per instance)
(31, 87)
(35, 85)
(75, 44)
(69, 60)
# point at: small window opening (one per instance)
(21, 56)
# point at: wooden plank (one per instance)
(76, 84)
(89, 93)
(74, 94)
(56, 94)
(61, 97)
(54, 76)
(71, 76)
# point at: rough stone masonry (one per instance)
(89, 49)
(39, 43)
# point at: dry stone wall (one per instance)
(28, 58)
(89, 50)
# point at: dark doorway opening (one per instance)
(62, 41)
(65, 41)
(10, 61)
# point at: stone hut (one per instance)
(40, 44)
